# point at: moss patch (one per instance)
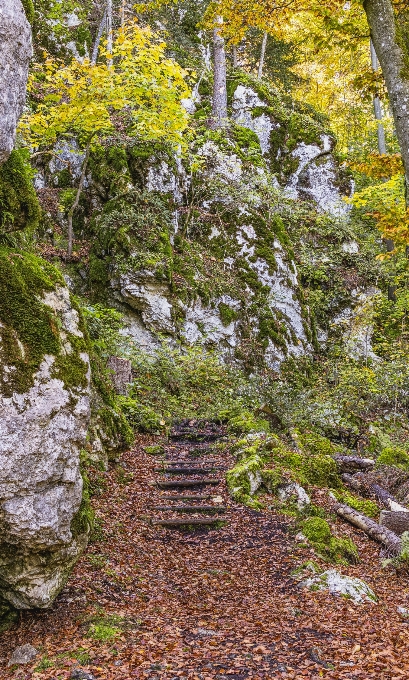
(29, 328)
(19, 207)
(394, 455)
(318, 532)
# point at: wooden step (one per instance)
(201, 438)
(186, 482)
(180, 463)
(186, 521)
(186, 498)
(190, 508)
(187, 470)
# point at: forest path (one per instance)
(219, 603)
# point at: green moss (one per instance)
(318, 532)
(321, 471)
(29, 9)
(227, 314)
(240, 478)
(30, 329)
(140, 417)
(19, 207)
(363, 505)
(395, 456)
(83, 520)
(247, 422)
(154, 450)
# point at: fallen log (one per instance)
(398, 522)
(351, 463)
(379, 533)
(353, 481)
(384, 497)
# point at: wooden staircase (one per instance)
(190, 461)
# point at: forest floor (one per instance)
(156, 603)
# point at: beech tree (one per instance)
(387, 22)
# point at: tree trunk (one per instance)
(377, 107)
(262, 56)
(381, 19)
(381, 534)
(219, 103)
(109, 30)
(235, 57)
(98, 37)
(77, 200)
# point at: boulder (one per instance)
(44, 416)
(16, 52)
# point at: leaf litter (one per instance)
(147, 602)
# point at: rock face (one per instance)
(44, 416)
(15, 38)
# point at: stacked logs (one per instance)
(394, 519)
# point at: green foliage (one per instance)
(395, 456)
(19, 207)
(103, 325)
(140, 417)
(83, 521)
(185, 382)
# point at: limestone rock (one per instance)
(338, 584)
(149, 296)
(44, 415)
(23, 654)
(16, 52)
(244, 101)
(294, 490)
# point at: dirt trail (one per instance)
(209, 603)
